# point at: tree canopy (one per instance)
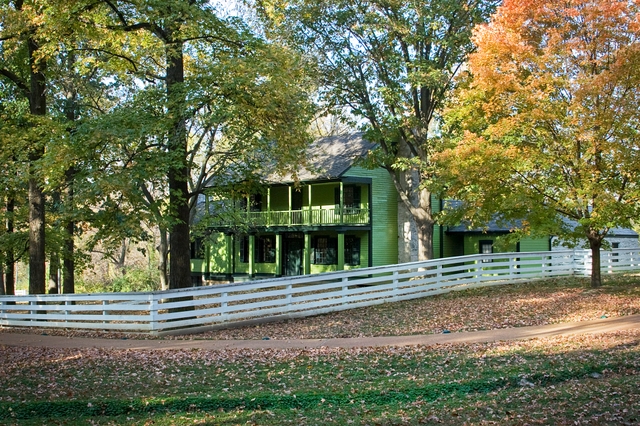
(389, 65)
(548, 120)
(140, 106)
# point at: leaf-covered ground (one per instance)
(517, 305)
(571, 380)
(577, 380)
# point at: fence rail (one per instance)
(169, 311)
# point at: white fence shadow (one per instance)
(198, 308)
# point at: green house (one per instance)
(337, 216)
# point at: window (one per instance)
(266, 249)
(244, 249)
(296, 199)
(486, 247)
(255, 203)
(614, 255)
(352, 250)
(197, 249)
(325, 250)
(352, 196)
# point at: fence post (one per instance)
(33, 313)
(289, 297)
(396, 283)
(223, 306)
(66, 311)
(588, 263)
(477, 271)
(345, 290)
(153, 314)
(512, 267)
(105, 312)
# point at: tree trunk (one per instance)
(163, 254)
(425, 237)
(36, 239)
(53, 286)
(10, 267)
(120, 261)
(595, 243)
(54, 274)
(178, 176)
(37, 107)
(418, 202)
(68, 260)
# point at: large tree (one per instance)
(146, 103)
(171, 24)
(549, 120)
(46, 92)
(211, 95)
(23, 64)
(390, 64)
(13, 234)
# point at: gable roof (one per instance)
(492, 227)
(330, 158)
(495, 226)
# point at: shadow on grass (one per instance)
(308, 400)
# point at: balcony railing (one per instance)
(337, 216)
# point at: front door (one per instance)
(293, 247)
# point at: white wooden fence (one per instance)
(197, 308)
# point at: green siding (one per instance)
(471, 244)
(437, 242)
(384, 215)
(438, 249)
(323, 195)
(279, 198)
(239, 267)
(198, 265)
(453, 245)
(218, 253)
(534, 244)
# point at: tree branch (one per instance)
(15, 79)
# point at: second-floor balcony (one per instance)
(326, 204)
(303, 217)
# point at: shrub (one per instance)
(137, 279)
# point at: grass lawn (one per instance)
(560, 380)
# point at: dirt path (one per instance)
(520, 333)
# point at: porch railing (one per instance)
(336, 216)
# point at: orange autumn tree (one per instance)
(547, 124)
